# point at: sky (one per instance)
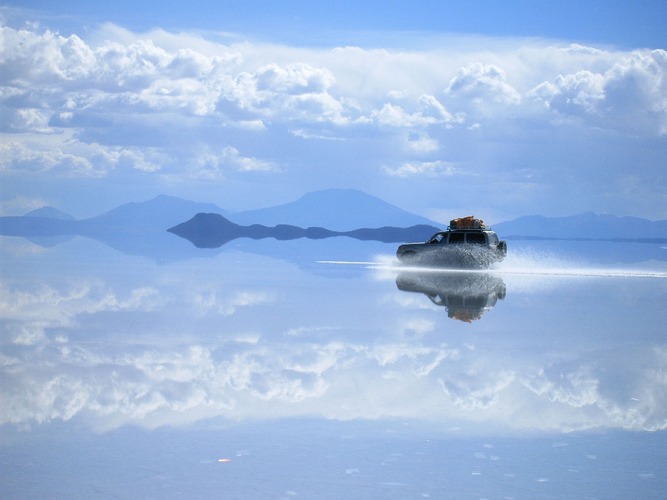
(498, 109)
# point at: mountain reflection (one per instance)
(214, 231)
(466, 296)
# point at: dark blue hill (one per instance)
(214, 230)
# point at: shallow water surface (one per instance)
(315, 369)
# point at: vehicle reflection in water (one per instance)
(465, 295)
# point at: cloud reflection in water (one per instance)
(259, 339)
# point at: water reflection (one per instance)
(112, 341)
(465, 295)
(247, 344)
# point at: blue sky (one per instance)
(632, 25)
(495, 108)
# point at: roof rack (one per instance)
(469, 222)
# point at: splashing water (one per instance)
(527, 262)
(519, 263)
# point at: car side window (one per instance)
(456, 237)
(476, 238)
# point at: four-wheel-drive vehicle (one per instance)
(467, 243)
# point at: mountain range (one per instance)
(135, 227)
(587, 226)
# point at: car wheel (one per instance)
(502, 248)
(408, 257)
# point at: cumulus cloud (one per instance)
(43, 57)
(427, 168)
(293, 92)
(631, 95)
(483, 82)
(68, 75)
(421, 143)
(74, 158)
(21, 205)
(429, 111)
(27, 120)
(178, 108)
(293, 79)
(139, 74)
(214, 165)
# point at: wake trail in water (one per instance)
(595, 273)
(520, 267)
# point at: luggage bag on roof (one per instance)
(469, 222)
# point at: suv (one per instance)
(467, 243)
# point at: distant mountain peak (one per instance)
(336, 209)
(337, 192)
(340, 194)
(49, 213)
(158, 213)
(167, 198)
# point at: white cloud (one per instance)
(20, 205)
(631, 95)
(28, 120)
(294, 79)
(429, 111)
(73, 158)
(216, 164)
(426, 168)
(18, 157)
(137, 74)
(481, 83)
(421, 143)
(43, 58)
(29, 333)
(582, 90)
(119, 105)
(291, 92)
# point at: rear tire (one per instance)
(502, 248)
